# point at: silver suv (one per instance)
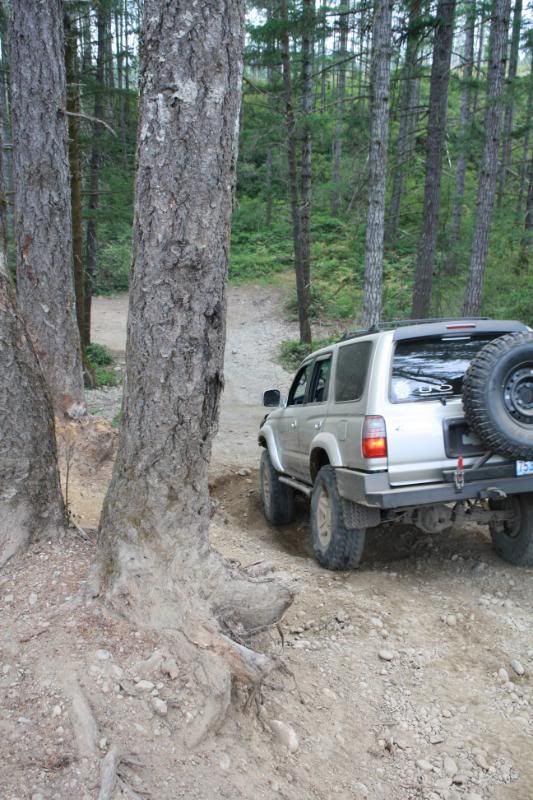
(428, 422)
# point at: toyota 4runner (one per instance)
(428, 422)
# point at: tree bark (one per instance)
(489, 164)
(505, 164)
(156, 563)
(409, 99)
(464, 139)
(438, 106)
(31, 505)
(302, 289)
(377, 179)
(43, 222)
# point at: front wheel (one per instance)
(513, 539)
(277, 498)
(335, 546)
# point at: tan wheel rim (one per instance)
(323, 518)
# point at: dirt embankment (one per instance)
(409, 679)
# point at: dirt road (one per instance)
(409, 679)
(255, 327)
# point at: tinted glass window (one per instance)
(352, 367)
(428, 369)
(321, 381)
(299, 387)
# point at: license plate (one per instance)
(524, 467)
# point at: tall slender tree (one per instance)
(489, 166)
(304, 210)
(465, 122)
(507, 150)
(344, 25)
(438, 106)
(43, 222)
(409, 100)
(302, 280)
(91, 242)
(377, 178)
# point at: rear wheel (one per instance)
(277, 498)
(335, 546)
(513, 539)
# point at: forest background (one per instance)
(309, 97)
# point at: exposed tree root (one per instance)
(108, 773)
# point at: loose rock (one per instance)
(386, 655)
(517, 667)
(285, 734)
(160, 707)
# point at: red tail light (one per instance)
(374, 444)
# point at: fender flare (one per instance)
(266, 438)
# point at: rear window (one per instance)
(432, 369)
(352, 366)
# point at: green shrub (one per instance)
(292, 352)
(101, 363)
(98, 355)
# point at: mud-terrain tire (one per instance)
(277, 498)
(498, 395)
(335, 546)
(513, 540)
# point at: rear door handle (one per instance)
(293, 424)
(318, 425)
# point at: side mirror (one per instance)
(272, 398)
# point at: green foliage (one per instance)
(98, 355)
(291, 352)
(101, 363)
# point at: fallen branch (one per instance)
(89, 119)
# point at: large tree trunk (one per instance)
(489, 164)
(464, 138)
(43, 224)
(506, 158)
(377, 179)
(438, 106)
(156, 563)
(409, 98)
(302, 288)
(31, 505)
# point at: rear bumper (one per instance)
(373, 489)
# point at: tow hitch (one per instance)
(459, 475)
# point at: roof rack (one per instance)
(402, 323)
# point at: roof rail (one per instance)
(401, 323)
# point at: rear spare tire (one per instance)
(498, 395)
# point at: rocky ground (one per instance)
(408, 679)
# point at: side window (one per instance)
(351, 371)
(299, 386)
(320, 386)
